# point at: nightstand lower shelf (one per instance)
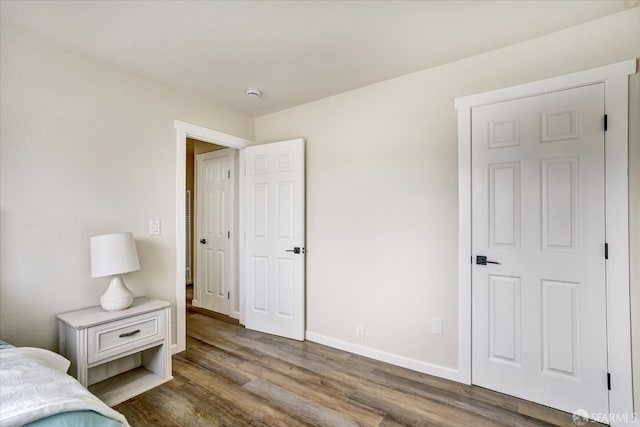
(126, 385)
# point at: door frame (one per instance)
(184, 130)
(616, 80)
(232, 225)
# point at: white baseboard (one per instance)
(383, 356)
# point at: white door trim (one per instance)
(184, 130)
(616, 79)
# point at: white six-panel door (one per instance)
(274, 228)
(539, 316)
(214, 219)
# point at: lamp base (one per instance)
(118, 296)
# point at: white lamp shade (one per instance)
(113, 254)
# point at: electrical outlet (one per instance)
(436, 325)
(360, 332)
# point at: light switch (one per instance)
(154, 227)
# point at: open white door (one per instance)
(274, 238)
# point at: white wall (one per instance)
(85, 149)
(382, 188)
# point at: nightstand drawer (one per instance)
(115, 338)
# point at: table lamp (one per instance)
(113, 255)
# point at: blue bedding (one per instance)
(75, 419)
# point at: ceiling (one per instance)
(294, 51)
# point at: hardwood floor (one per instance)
(231, 376)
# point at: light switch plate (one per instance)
(154, 227)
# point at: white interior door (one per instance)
(274, 238)
(214, 222)
(539, 313)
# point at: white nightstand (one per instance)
(118, 354)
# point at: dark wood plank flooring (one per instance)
(231, 376)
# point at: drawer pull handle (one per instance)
(128, 334)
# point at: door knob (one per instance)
(482, 260)
(295, 250)
(203, 241)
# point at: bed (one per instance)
(35, 391)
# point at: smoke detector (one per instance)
(253, 92)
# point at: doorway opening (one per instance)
(186, 130)
(211, 243)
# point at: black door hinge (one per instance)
(229, 172)
(228, 295)
(605, 123)
(228, 234)
(608, 381)
(606, 251)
